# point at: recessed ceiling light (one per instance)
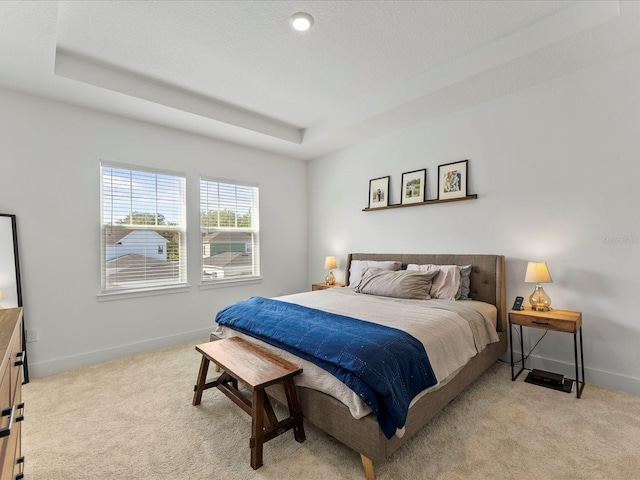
(301, 21)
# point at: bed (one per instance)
(336, 410)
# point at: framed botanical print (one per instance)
(452, 180)
(379, 192)
(414, 188)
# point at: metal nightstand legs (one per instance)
(513, 377)
(579, 368)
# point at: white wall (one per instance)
(49, 178)
(556, 170)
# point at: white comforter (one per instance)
(452, 333)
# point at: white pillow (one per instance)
(359, 266)
(446, 284)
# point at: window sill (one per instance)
(146, 292)
(229, 283)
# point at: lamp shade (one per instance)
(537, 272)
(1, 295)
(330, 262)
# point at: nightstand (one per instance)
(556, 320)
(324, 286)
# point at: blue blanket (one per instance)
(386, 367)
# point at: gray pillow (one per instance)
(465, 283)
(400, 284)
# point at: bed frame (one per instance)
(364, 435)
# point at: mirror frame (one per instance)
(9, 235)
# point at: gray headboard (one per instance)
(487, 274)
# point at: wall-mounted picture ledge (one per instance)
(428, 202)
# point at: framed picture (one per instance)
(414, 187)
(452, 180)
(379, 192)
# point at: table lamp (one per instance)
(330, 263)
(537, 272)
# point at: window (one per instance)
(230, 229)
(143, 226)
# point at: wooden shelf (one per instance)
(428, 202)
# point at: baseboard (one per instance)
(41, 369)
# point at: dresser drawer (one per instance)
(5, 396)
(11, 466)
(15, 363)
(7, 443)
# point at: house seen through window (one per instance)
(143, 223)
(229, 225)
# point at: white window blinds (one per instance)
(143, 224)
(230, 229)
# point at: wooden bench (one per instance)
(257, 368)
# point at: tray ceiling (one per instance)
(235, 70)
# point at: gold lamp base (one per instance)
(330, 279)
(539, 300)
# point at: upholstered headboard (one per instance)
(487, 274)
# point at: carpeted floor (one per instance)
(133, 418)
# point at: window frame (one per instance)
(254, 230)
(145, 286)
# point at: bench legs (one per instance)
(202, 378)
(259, 408)
(294, 410)
(257, 428)
(261, 433)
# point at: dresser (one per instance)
(11, 460)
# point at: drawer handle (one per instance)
(19, 362)
(539, 323)
(5, 432)
(20, 461)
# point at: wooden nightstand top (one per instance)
(324, 286)
(558, 320)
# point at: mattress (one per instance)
(452, 332)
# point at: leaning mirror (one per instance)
(10, 289)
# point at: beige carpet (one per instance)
(133, 418)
